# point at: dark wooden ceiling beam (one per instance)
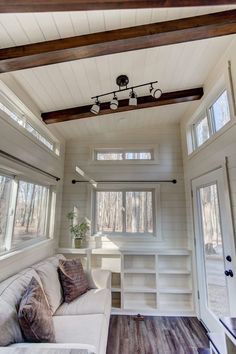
(143, 102)
(7, 6)
(116, 41)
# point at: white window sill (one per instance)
(209, 141)
(21, 250)
(127, 236)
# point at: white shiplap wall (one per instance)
(17, 144)
(167, 137)
(212, 154)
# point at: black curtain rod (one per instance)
(174, 181)
(11, 157)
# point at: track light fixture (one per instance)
(122, 81)
(155, 92)
(133, 98)
(114, 103)
(95, 109)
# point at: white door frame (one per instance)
(219, 177)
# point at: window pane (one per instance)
(38, 136)
(109, 212)
(138, 155)
(202, 131)
(109, 156)
(213, 251)
(31, 210)
(123, 155)
(5, 190)
(139, 215)
(220, 111)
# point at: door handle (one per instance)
(229, 273)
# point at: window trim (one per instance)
(211, 113)
(201, 117)
(125, 187)
(123, 152)
(153, 148)
(49, 227)
(206, 112)
(28, 117)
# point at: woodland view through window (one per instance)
(27, 219)
(214, 119)
(128, 212)
(5, 190)
(122, 155)
(31, 209)
(25, 123)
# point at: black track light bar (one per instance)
(124, 89)
(174, 181)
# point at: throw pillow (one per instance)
(34, 315)
(73, 279)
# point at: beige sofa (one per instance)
(80, 327)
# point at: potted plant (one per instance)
(78, 231)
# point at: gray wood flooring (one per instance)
(156, 335)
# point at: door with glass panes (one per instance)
(215, 248)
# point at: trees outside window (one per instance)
(5, 191)
(129, 212)
(30, 216)
(23, 212)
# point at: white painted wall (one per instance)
(212, 154)
(17, 144)
(167, 137)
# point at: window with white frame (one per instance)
(219, 112)
(23, 212)
(201, 131)
(212, 121)
(5, 194)
(123, 154)
(25, 122)
(125, 212)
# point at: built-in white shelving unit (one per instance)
(147, 281)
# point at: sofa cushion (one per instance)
(9, 328)
(48, 272)
(34, 315)
(87, 329)
(11, 292)
(95, 301)
(73, 279)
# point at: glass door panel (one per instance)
(215, 248)
(216, 287)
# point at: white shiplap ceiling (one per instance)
(72, 84)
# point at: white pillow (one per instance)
(48, 273)
(9, 327)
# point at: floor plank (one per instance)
(156, 335)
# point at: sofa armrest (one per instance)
(51, 348)
(99, 278)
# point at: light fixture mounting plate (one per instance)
(122, 80)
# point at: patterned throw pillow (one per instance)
(73, 279)
(34, 315)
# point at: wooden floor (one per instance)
(156, 335)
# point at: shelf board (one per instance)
(74, 250)
(140, 271)
(153, 251)
(140, 289)
(116, 289)
(109, 251)
(139, 305)
(171, 306)
(174, 271)
(175, 290)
